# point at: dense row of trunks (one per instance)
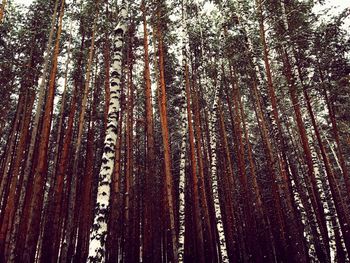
(201, 159)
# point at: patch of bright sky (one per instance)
(335, 7)
(24, 2)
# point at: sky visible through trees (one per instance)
(174, 131)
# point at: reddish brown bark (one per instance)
(166, 141)
(335, 131)
(315, 198)
(282, 159)
(275, 212)
(149, 197)
(10, 147)
(41, 167)
(339, 204)
(86, 206)
(129, 150)
(11, 199)
(55, 232)
(2, 10)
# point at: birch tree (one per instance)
(97, 249)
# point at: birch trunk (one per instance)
(182, 185)
(184, 130)
(200, 148)
(214, 180)
(97, 249)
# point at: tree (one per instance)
(99, 232)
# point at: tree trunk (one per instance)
(214, 180)
(86, 189)
(2, 10)
(207, 235)
(165, 135)
(149, 196)
(46, 255)
(97, 247)
(128, 195)
(36, 204)
(10, 148)
(71, 219)
(276, 213)
(17, 177)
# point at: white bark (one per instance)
(306, 228)
(182, 183)
(331, 146)
(184, 130)
(97, 250)
(214, 181)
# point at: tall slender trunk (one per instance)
(276, 213)
(114, 223)
(259, 206)
(10, 148)
(166, 141)
(107, 60)
(195, 179)
(32, 143)
(237, 127)
(187, 127)
(315, 198)
(47, 231)
(6, 181)
(71, 219)
(17, 178)
(280, 141)
(40, 173)
(326, 162)
(35, 125)
(97, 244)
(214, 181)
(149, 197)
(182, 179)
(207, 235)
(129, 149)
(2, 10)
(335, 131)
(54, 232)
(85, 215)
(229, 182)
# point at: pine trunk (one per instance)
(149, 197)
(36, 204)
(166, 144)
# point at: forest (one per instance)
(174, 131)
